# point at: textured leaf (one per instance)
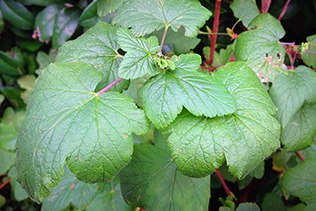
(309, 58)
(162, 13)
(180, 43)
(109, 199)
(248, 207)
(89, 16)
(272, 202)
(289, 92)
(300, 131)
(68, 123)
(19, 193)
(152, 181)
(17, 14)
(65, 24)
(260, 46)
(138, 61)
(106, 7)
(245, 138)
(300, 181)
(246, 10)
(70, 191)
(164, 95)
(309, 152)
(7, 160)
(104, 56)
(45, 21)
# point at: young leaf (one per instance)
(162, 13)
(246, 10)
(106, 7)
(245, 138)
(68, 123)
(260, 46)
(70, 191)
(300, 181)
(164, 95)
(309, 58)
(138, 60)
(289, 92)
(152, 181)
(103, 41)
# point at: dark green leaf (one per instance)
(49, 2)
(89, 16)
(162, 13)
(1, 21)
(68, 123)
(44, 59)
(152, 181)
(300, 181)
(17, 14)
(272, 202)
(45, 21)
(19, 32)
(289, 92)
(1, 98)
(309, 58)
(7, 160)
(283, 161)
(65, 24)
(19, 193)
(221, 58)
(246, 10)
(245, 138)
(260, 47)
(70, 191)
(298, 207)
(14, 96)
(138, 60)
(103, 41)
(10, 66)
(28, 44)
(248, 207)
(106, 7)
(165, 94)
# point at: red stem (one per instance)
(4, 184)
(265, 5)
(284, 10)
(215, 30)
(109, 86)
(300, 155)
(223, 182)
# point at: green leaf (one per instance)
(272, 202)
(109, 199)
(260, 47)
(162, 13)
(298, 207)
(138, 61)
(49, 2)
(164, 95)
(28, 44)
(44, 59)
(1, 98)
(10, 66)
(180, 43)
(18, 191)
(17, 14)
(152, 181)
(89, 16)
(289, 92)
(65, 24)
(70, 191)
(300, 181)
(283, 161)
(26, 82)
(245, 138)
(102, 38)
(45, 21)
(245, 10)
(106, 7)
(7, 160)
(221, 58)
(300, 131)
(1, 21)
(248, 207)
(309, 152)
(14, 96)
(68, 123)
(309, 58)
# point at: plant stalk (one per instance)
(163, 38)
(109, 86)
(312, 52)
(223, 182)
(265, 5)
(284, 10)
(300, 155)
(5, 183)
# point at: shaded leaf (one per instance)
(89, 16)
(68, 123)
(10, 66)
(221, 58)
(152, 181)
(103, 41)
(1, 98)
(248, 207)
(1, 21)
(7, 160)
(28, 44)
(106, 7)
(49, 2)
(309, 58)
(26, 82)
(272, 202)
(19, 193)
(283, 161)
(309, 152)
(246, 10)
(160, 14)
(44, 59)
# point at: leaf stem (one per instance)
(287, 43)
(265, 5)
(109, 86)
(163, 37)
(312, 52)
(223, 182)
(284, 10)
(5, 183)
(215, 30)
(300, 155)
(211, 33)
(112, 186)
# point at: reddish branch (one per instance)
(300, 155)
(4, 184)
(284, 9)
(223, 182)
(215, 30)
(109, 86)
(265, 5)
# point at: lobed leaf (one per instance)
(245, 10)
(106, 7)
(309, 58)
(161, 13)
(68, 123)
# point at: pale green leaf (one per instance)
(289, 92)
(100, 51)
(309, 152)
(1, 98)
(260, 47)
(165, 94)
(300, 181)
(152, 181)
(309, 58)
(246, 10)
(19, 193)
(7, 160)
(106, 7)
(138, 61)
(147, 16)
(245, 138)
(68, 123)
